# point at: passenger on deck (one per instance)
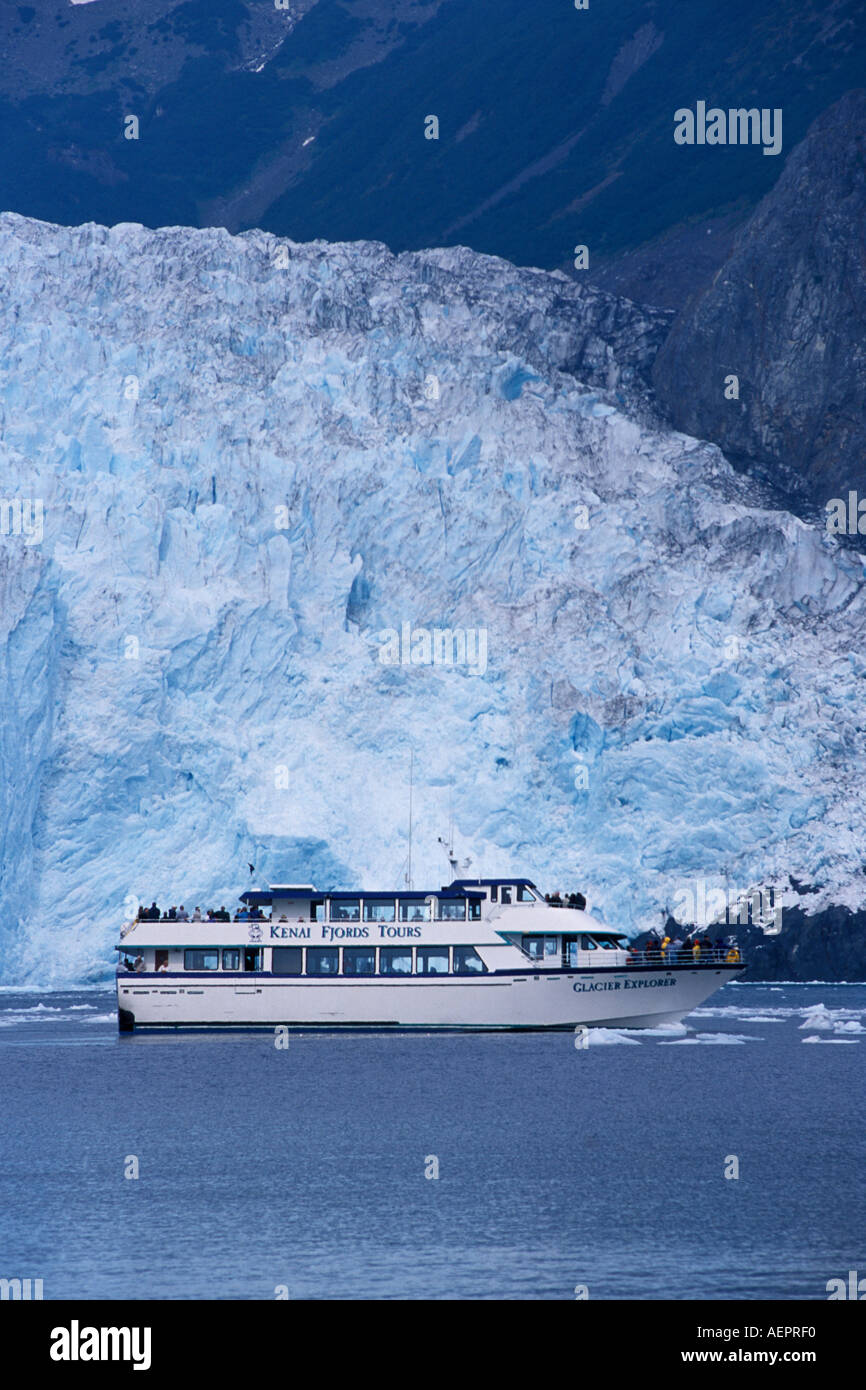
(675, 949)
(223, 915)
(182, 914)
(153, 913)
(686, 951)
(666, 941)
(733, 956)
(139, 962)
(162, 968)
(196, 916)
(696, 949)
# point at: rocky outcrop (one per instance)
(786, 314)
(827, 946)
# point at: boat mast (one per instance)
(411, 779)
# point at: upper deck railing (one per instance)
(687, 955)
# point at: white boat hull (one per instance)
(535, 999)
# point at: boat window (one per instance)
(359, 960)
(201, 960)
(569, 950)
(378, 909)
(414, 912)
(452, 912)
(395, 960)
(587, 943)
(533, 946)
(286, 960)
(524, 894)
(606, 944)
(468, 962)
(232, 958)
(475, 909)
(431, 960)
(346, 910)
(506, 895)
(317, 910)
(494, 892)
(551, 945)
(323, 960)
(253, 958)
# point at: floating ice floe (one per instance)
(742, 1011)
(815, 1039)
(607, 1037)
(837, 1021)
(666, 1031)
(713, 1038)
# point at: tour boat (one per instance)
(468, 956)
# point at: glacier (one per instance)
(254, 458)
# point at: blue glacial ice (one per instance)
(255, 458)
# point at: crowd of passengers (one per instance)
(568, 900)
(667, 948)
(213, 914)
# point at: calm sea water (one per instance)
(557, 1166)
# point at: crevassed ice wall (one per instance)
(255, 460)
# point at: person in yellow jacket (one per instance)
(696, 950)
(665, 944)
(733, 956)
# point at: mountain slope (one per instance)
(787, 314)
(556, 125)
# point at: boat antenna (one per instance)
(411, 780)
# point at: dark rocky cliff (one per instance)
(786, 314)
(828, 945)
